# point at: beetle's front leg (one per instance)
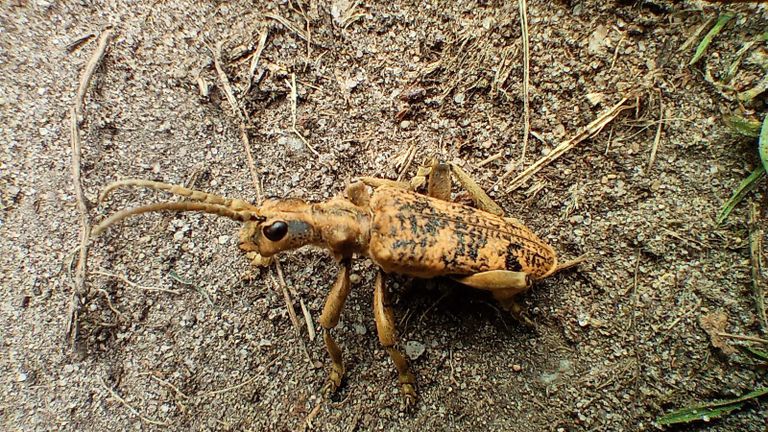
(334, 303)
(385, 327)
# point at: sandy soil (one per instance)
(618, 341)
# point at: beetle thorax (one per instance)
(344, 228)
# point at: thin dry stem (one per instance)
(224, 81)
(130, 408)
(79, 290)
(280, 281)
(405, 161)
(111, 306)
(756, 258)
(167, 384)
(133, 284)
(657, 138)
(90, 68)
(743, 337)
(526, 76)
(256, 57)
(490, 159)
(241, 116)
(242, 384)
(294, 98)
(289, 25)
(616, 53)
(590, 130)
(307, 317)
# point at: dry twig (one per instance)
(130, 408)
(90, 68)
(256, 57)
(657, 138)
(526, 74)
(590, 130)
(294, 98)
(307, 316)
(238, 112)
(280, 282)
(289, 25)
(756, 257)
(79, 290)
(743, 337)
(133, 284)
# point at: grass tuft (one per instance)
(714, 31)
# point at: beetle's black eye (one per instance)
(276, 231)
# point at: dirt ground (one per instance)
(201, 340)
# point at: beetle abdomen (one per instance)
(420, 236)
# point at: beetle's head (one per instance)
(281, 225)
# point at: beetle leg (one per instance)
(358, 194)
(439, 185)
(385, 327)
(498, 280)
(504, 285)
(481, 199)
(334, 303)
(376, 182)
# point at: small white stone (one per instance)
(414, 349)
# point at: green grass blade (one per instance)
(710, 410)
(743, 126)
(714, 31)
(686, 415)
(734, 67)
(762, 145)
(757, 354)
(738, 194)
(747, 95)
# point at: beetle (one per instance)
(400, 230)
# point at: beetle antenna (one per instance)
(183, 206)
(194, 195)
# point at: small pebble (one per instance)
(414, 349)
(517, 367)
(359, 329)
(354, 278)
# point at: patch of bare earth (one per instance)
(618, 340)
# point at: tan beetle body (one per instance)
(407, 233)
(419, 236)
(400, 230)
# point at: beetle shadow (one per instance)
(445, 304)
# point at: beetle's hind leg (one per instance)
(505, 286)
(439, 177)
(385, 327)
(334, 303)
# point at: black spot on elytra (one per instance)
(512, 263)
